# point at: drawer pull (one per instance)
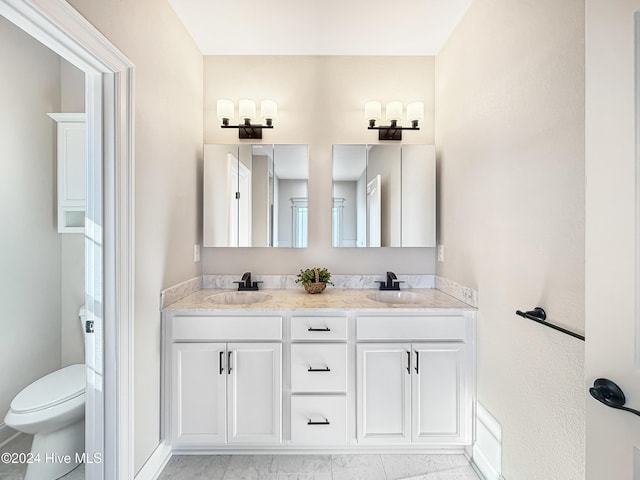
(325, 329)
(220, 362)
(325, 369)
(229, 362)
(417, 362)
(326, 422)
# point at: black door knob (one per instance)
(610, 394)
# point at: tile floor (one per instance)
(16, 471)
(318, 467)
(286, 467)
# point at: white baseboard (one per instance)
(487, 450)
(154, 465)
(7, 434)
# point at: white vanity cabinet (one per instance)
(319, 373)
(226, 392)
(352, 380)
(415, 387)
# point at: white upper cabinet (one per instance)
(71, 156)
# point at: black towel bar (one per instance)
(540, 316)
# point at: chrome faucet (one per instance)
(392, 282)
(246, 284)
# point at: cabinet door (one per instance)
(255, 392)
(438, 393)
(198, 386)
(384, 393)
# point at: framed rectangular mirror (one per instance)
(383, 196)
(255, 195)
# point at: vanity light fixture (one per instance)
(247, 112)
(393, 110)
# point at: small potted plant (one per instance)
(315, 279)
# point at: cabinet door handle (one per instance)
(312, 329)
(417, 361)
(326, 422)
(229, 361)
(408, 362)
(325, 369)
(220, 360)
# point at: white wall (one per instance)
(29, 244)
(510, 138)
(168, 168)
(320, 103)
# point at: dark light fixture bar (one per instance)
(393, 131)
(373, 112)
(248, 129)
(247, 111)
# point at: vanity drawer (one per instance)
(227, 328)
(319, 367)
(414, 327)
(319, 328)
(319, 420)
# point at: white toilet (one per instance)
(52, 410)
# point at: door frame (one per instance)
(612, 248)
(110, 122)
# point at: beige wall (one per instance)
(320, 102)
(168, 151)
(29, 242)
(510, 138)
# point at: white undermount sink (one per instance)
(238, 298)
(396, 297)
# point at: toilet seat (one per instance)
(51, 390)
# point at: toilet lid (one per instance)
(51, 390)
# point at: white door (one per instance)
(437, 391)
(374, 212)
(611, 270)
(198, 388)
(255, 392)
(384, 393)
(244, 205)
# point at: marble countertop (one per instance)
(331, 299)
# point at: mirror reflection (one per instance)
(383, 196)
(255, 195)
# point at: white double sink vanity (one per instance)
(346, 370)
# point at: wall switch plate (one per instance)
(441, 253)
(196, 253)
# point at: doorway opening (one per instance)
(108, 225)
